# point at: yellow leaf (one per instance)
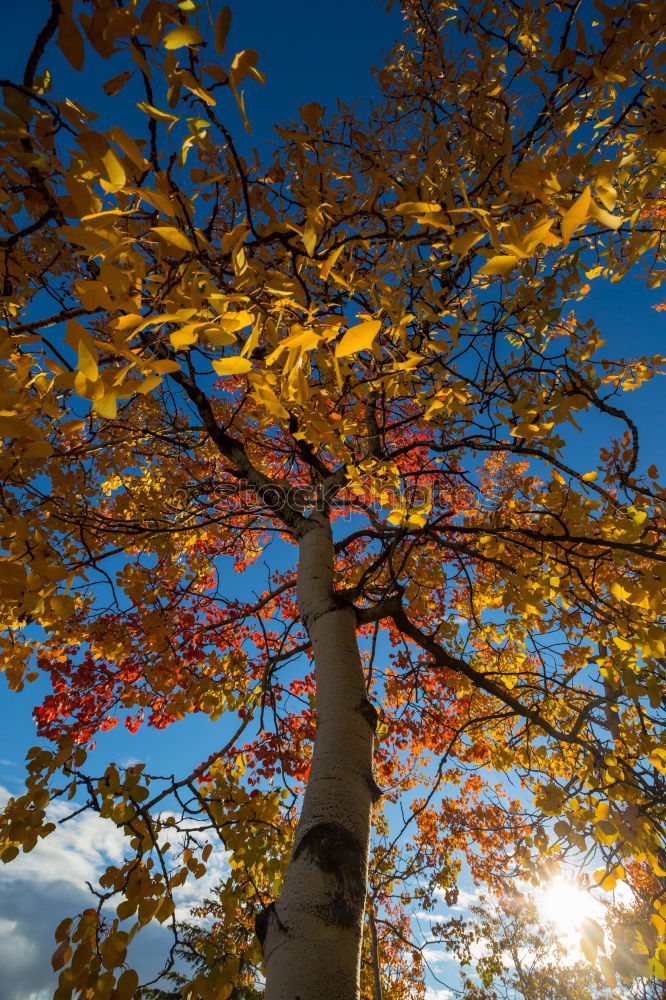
(576, 215)
(174, 237)
(157, 200)
(219, 338)
(127, 985)
(111, 87)
(222, 25)
(94, 295)
(165, 367)
(128, 146)
(621, 644)
(309, 240)
(61, 955)
(181, 36)
(588, 950)
(39, 449)
(245, 64)
(311, 113)
(464, 243)
(589, 477)
(416, 520)
(62, 606)
(85, 238)
(607, 970)
(149, 383)
(659, 969)
(525, 430)
(358, 338)
(72, 426)
(240, 101)
(165, 909)
(231, 322)
(159, 116)
(540, 234)
(70, 41)
(114, 168)
(606, 832)
(605, 218)
(87, 360)
(416, 207)
(593, 931)
(106, 405)
(110, 215)
(302, 340)
(184, 337)
(232, 366)
(602, 810)
(604, 880)
(189, 81)
(62, 930)
(502, 265)
(329, 262)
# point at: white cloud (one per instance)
(437, 957)
(75, 853)
(438, 994)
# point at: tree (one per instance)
(360, 360)
(515, 952)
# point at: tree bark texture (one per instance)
(311, 937)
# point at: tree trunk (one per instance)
(311, 937)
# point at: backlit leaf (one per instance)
(501, 264)
(183, 35)
(232, 366)
(576, 215)
(173, 237)
(358, 338)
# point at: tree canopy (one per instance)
(360, 365)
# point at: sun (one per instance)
(562, 903)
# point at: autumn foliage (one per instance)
(373, 336)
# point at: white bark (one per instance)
(312, 936)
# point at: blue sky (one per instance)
(310, 52)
